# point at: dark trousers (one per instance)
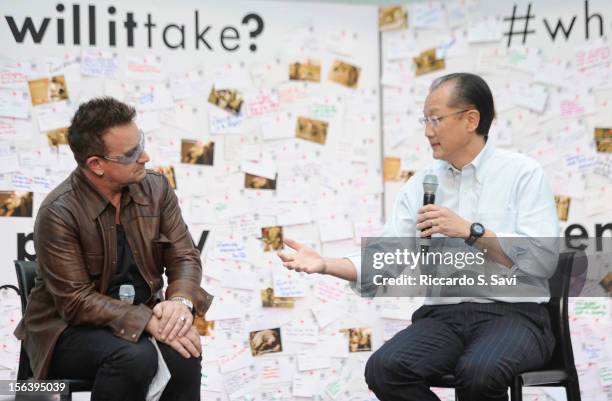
(122, 370)
(483, 344)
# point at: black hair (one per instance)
(91, 121)
(470, 90)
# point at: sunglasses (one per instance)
(131, 156)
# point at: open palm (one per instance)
(305, 259)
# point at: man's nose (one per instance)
(429, 132)
(144, 157)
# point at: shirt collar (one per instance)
(478, 163)
(95, 203)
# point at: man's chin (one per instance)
(139, 176)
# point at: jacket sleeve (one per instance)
(181, 257)
(63, 270)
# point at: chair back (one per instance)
(26, 273)
(26, 278)
(563, 355)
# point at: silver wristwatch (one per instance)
(184, 301)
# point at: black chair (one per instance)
(26, 273)
(560, 371)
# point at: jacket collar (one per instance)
(136, 193)
(95, 203)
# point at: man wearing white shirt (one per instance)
(485, 196)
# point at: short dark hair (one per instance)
(90, 123)
(470, 90)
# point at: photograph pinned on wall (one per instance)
(563, 205)
(606, 283)
(197, 152)
(256, 182)
(48, 90)
(344, 74)
(16, 204)
(268, 300)
(311, 130)
(392, 18)
(272, 238)
(405, 175)
(168, 171)
(57, 137)
(360, 339)
(603, 140)
(307, 70)
(228, 99)
(427, 62)
(392, 170)
(264, 342)
(204, 327)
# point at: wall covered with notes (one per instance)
(266, 118)
(548, 66)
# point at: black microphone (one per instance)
(430, 184)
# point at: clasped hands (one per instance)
(172, 324)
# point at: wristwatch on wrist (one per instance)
(477, 230)
(184, 301)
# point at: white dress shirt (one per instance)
(508, 194)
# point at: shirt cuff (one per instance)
(355, 258)
(512, 270)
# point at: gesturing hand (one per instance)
(438, 219)
(305, 259)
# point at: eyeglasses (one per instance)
(131, 156)
(435, 121)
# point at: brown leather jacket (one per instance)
(76, 249)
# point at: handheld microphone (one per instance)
(127, 293)
(430, 185)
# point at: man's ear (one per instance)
(95, 165)
(473, 119)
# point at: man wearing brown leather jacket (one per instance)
(113, 223)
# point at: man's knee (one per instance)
(383, 368)
(136, 361)
(482, 380)
(185, 370)
(369, 373)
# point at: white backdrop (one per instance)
(550, 95)
(326, 195)
(328, 189)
